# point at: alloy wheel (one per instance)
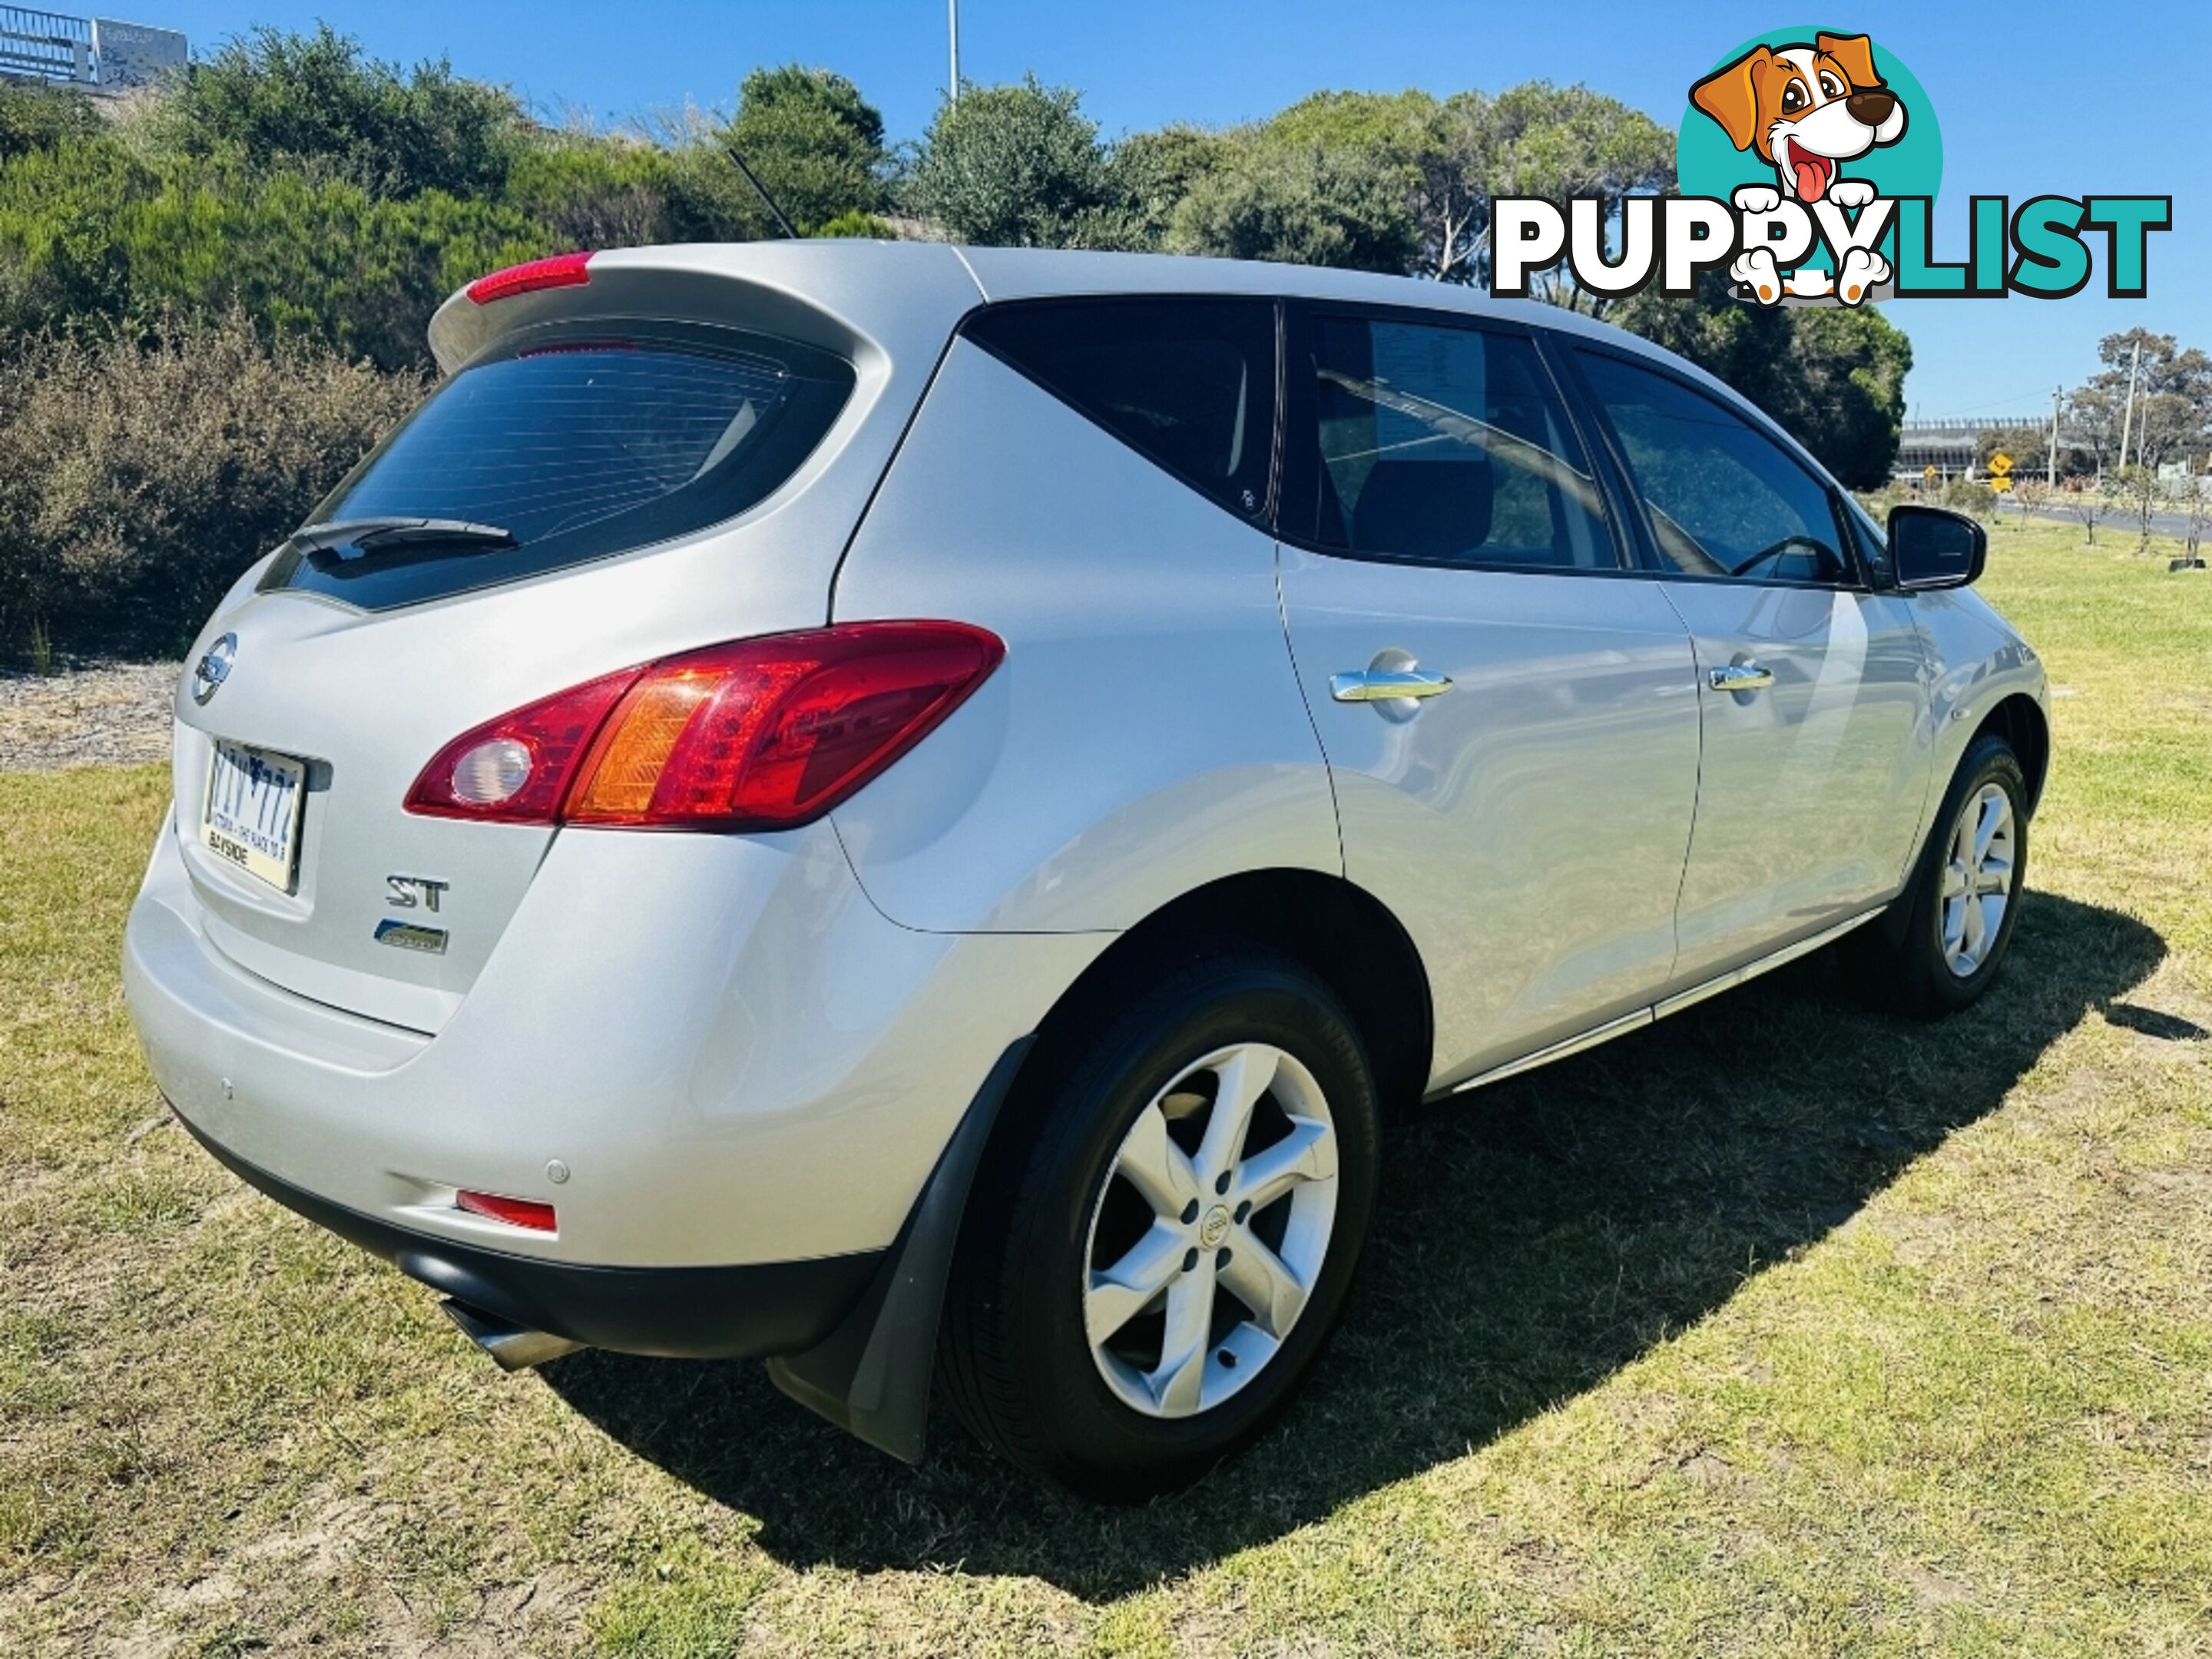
(1211, 1230)
(1977, 879)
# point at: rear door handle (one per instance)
(1741, 677)
(1386, 684)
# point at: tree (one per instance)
(1298, 205)
(1435, 156)
(2087, 502)
(2140, 493)
(1559, 142)
(1019, 166)
(2173, 399)
(2032, 492)
(1150, 174)
(1445, 160)
(814, 142)
(313, 101)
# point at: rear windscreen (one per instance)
(577, 445)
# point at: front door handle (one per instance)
(1741, 677)
(1386, 684)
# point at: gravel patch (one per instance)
(97, 714)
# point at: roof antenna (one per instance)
(760, 191)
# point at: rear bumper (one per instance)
(748, 1312)
(703, 1051)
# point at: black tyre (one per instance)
(1162, 1233)
(1943, 943)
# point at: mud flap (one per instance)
(871, 1376)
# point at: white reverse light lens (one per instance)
(491, 772)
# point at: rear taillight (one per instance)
(561, 271)
(759, 734)
(516, 769)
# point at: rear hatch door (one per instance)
(671, 455)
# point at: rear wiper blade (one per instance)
(355, 538)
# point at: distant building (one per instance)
(1949, 446)
(97, 54)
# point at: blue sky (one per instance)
(2069, 100)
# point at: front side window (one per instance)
(1188, 383)
(1724, 499)
(576, 443)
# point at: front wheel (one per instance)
(1944, 940)
(1159, 1247)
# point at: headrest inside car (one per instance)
(1424, 509)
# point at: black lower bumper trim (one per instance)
(749, 1312)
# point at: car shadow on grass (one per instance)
(1530, 1240)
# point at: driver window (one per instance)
(1724, 499)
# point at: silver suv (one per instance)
(906, 810)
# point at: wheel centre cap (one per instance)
(1213, 1226)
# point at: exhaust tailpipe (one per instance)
(515, 1347)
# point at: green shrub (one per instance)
(33, 117)
(140, 476)
(594, 192)
(92, 237)
(313, 101)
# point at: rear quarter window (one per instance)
(581, 443)
(1188, 383)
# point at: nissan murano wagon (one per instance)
(909, 810)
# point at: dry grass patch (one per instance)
(1782, 1329)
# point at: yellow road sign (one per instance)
(2001, 484)
(2001, 464)
(1928, 473)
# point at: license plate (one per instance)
(252, 814)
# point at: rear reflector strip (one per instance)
(561, 271)
(515, 1211)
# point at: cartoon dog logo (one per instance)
(1806, 109)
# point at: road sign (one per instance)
(2001, 484)
(2000, 464)
(1928, 473)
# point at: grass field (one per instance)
(1780, 1328)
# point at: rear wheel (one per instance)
(1941, 945)
(1160, 1245)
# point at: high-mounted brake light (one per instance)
(766, 733)
(561, 271)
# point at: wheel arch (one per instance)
(1346, 936)
(2021, 721)
(872, 1374)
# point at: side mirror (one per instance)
(1930, 547)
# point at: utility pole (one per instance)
(955, 94)
(2051, 450)
(2128, 420)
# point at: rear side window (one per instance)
(577, 444)
(1187, 383)
(1449, 445)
